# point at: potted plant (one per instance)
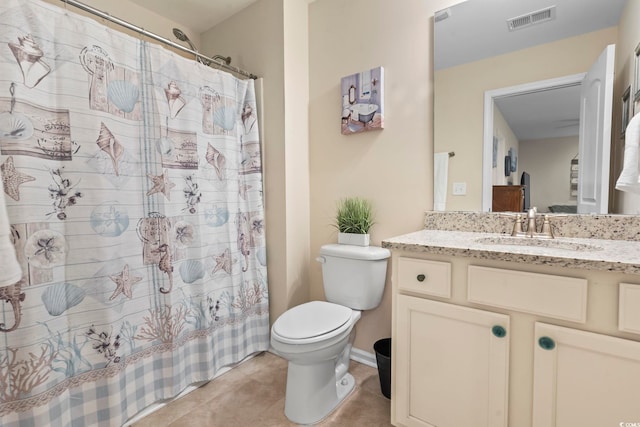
(353, 221)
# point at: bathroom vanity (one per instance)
(490, 330)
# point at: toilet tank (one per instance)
(354, 276)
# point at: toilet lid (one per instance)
(311, 320)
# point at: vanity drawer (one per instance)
(546, 295)
(629, 308)
(424, 276)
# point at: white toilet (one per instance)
(316, 337)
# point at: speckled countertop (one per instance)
(603, 251)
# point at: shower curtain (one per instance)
(133, 188)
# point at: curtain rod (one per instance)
(154, 36)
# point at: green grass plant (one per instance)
(355, 215)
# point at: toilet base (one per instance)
(309, 398)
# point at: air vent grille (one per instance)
(528, 19)
(543, 15)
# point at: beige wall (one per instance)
(296, 124)
(136, 15)
(506, 140)
(392, 167)
(269, 38)
(628, 39)
(463, 103)
(548, 161)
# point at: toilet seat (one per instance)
(311, 322)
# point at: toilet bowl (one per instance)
(316, 337)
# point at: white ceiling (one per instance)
(197, 15)
(541, 115)
(477, 29)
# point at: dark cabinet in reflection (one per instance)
(508, 198)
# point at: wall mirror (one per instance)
(491, 46)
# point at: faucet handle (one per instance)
(517, 226)
(547, 230)
(517, 223)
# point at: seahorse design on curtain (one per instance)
(13, 295)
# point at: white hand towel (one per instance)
(10, 271)
(440, 174)
(629, 179)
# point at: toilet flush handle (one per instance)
(321, 259)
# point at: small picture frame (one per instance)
(514, 159)
(626, 97)
(573, 179)
(636, 78)
(495, 152)
(507, 166)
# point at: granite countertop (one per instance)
(583, 253)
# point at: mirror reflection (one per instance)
(506, 127)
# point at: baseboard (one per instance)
(364, 357)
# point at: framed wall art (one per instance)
(636, 81)
(362, 101)
(626, 96)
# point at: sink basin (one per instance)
(540, 243)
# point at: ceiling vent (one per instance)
(532, 18)
(442, 15)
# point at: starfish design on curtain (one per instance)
(12, 179)
(124, 282)
(161, 184)
(223, 261)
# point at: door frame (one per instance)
(489, 97)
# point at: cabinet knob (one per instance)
(499, 331)
(421, 277)
(546, 343)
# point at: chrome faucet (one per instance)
(546, 231)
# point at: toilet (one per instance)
(316, 337)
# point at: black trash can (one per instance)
(383, 357)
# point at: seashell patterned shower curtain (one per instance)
(133, 185)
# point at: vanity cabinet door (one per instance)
(450, 364)
(584, 379)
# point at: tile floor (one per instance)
(252, 394)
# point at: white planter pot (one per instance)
(353, 239)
